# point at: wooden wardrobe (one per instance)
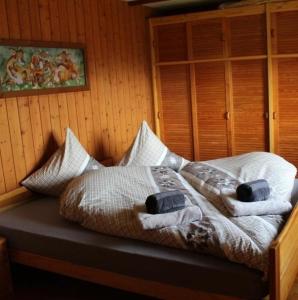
(226, 82)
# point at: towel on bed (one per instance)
(165, 202)
(158, 221)
(269, 207)
(257, 190)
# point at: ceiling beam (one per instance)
(141, 2)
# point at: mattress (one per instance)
(37, 227)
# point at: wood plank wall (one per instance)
(105, 118)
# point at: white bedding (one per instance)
(104, 200)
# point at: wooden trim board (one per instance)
(284, 259)
(111, 279)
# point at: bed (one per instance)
(38, 237)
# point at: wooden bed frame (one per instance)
(282, 271)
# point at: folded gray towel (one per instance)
(271, 206)
(165, 202)
(253, 191)
(158, 221)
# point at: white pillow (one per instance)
(210, 177)
(148, 150)
(69, 161)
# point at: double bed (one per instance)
(39, 237)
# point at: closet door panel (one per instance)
(176, 109)
(211, 107)
(171, 42)
(250, 102)
(207, 39)
(288, 109)
(286, 32)
(248, 35)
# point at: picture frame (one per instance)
(40, 68)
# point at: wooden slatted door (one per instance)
(175, 109)
(250, 106)
(285, 78)
(287, 132)
(247, 49)
(211, 110)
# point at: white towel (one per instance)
(238, 208)
(157, 221)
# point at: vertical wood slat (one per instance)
(193, 93)
(271, 79)
(30, 125)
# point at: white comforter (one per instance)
(103, 200)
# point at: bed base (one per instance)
(282, 270)
(5, 276)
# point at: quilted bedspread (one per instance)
(103, 200)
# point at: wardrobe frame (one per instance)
(266, 10)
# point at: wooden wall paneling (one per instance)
(250, 104)
(286, 32)
(50, 34)
(107, 51)
(176, 109)
(7, 163)
(193, 92)
(143, 56)
(57, 102)
(171, 42)
(248, 35)
(207, 39)
(98, 130)
(12, 104)
(122, 138)
(137, 90)
(23, 102)
(27, 123)
(46, 120)
(97, 79)
(211, 103)
(78, 97)
(155, 79)
(54, 27)
(127, 58)
(35, 113)
(65, 33)
(88, 115)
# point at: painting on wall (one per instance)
(41, 68)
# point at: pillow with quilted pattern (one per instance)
(148, 150)
(69, 161)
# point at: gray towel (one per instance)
(158, 221)
(238, 208)
(257, 190)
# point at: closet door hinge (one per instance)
(158, 115)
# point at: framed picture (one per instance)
(30, 68)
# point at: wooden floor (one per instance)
(30, 284)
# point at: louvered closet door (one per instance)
(287, 137)
(211, 109)
(176, 109)
(285, 42)
(250, 102)
(249, 92)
